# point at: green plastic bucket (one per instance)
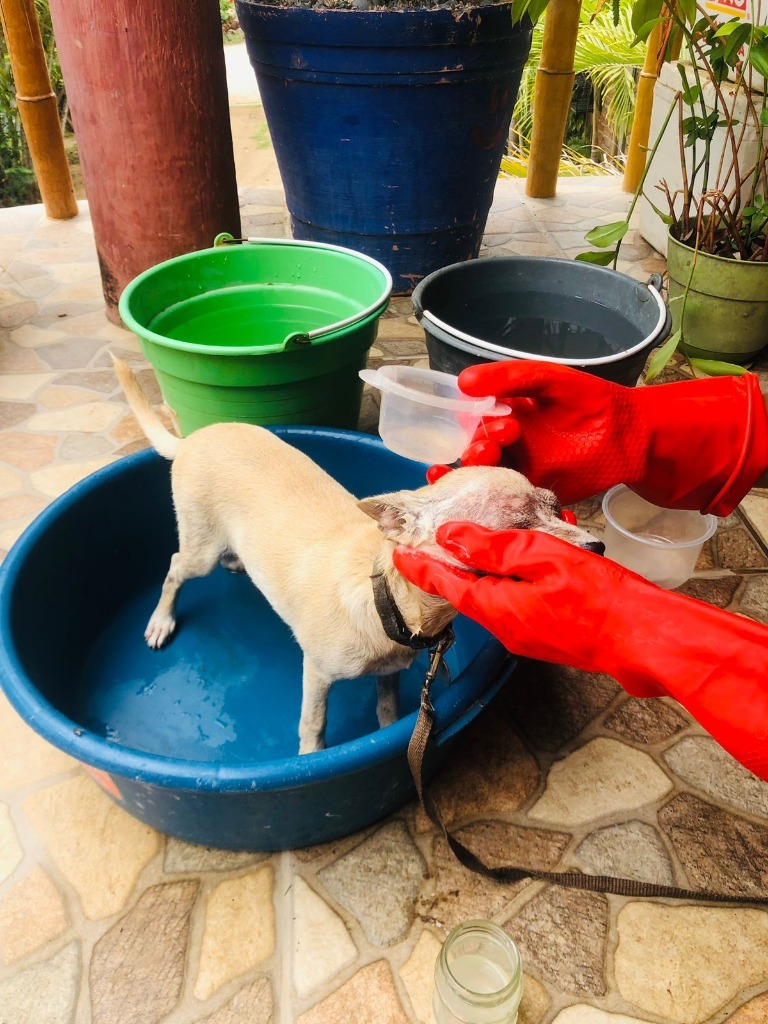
(268, 331)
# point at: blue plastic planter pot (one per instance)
(388, 125)
(199, 740)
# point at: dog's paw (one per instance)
(159, 628)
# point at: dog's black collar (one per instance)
(392, 621)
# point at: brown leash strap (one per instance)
(508, 873)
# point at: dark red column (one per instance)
(147, 87)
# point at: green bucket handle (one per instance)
(307, 337)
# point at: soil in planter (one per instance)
(375, 5)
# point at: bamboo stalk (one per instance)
(641, 122)
(552, 97)
(38, 108)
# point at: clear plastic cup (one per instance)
(661, 544)
(424, 416)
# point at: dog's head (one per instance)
(491, 496)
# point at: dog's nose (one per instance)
(595, 545)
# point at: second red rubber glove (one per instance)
(545, 599)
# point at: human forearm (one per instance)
(547, 600)
(714, 663)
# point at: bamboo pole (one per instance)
(641, 122)
(552, 97)
(37, 107)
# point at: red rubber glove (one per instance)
(697, 444)
(546, 599)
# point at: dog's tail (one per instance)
(162, 440)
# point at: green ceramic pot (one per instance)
(726, 312)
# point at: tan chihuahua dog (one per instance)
(246, 498)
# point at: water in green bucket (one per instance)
(269, 331)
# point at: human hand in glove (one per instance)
(699, 444)
(546, 599)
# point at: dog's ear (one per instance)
(399, 515)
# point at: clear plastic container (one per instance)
(661, 544)
(424, 416)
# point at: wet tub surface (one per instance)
(226, 688)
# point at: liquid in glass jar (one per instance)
(478, 976)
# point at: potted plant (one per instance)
(718, 219)
(389, 120)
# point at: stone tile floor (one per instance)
(103, 921)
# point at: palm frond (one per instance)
(604, 53)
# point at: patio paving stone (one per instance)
(563, 933)
(239, 929)
(322, 945)
(253, 1003)
(11, 853)
(181, 857)
(753, 1012)
(755, 510)
(25, 758)
(550, 706)
(659, 944)
(601, 777)
(98, 848)
(54, 480)
(378, 882)
(645, 721)
(492, 770)
(718, 850)
(451, 894)
(45, 991)
(137, 967)
(630, 850)
(704, 765)
(718, 592)
(416, 974)
(738, 550)
(369, 997)
(754, 600)
(32, 914)
(582, 1014)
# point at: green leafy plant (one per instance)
(710, 212)
(230, 26)
(607, 54)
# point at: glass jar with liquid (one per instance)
(478, 976)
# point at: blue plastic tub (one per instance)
(199, 740)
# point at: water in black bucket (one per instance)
(565, 310)
(578, 332)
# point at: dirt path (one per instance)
(255, 163)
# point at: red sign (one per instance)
(734, 8)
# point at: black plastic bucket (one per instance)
(557, 310)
